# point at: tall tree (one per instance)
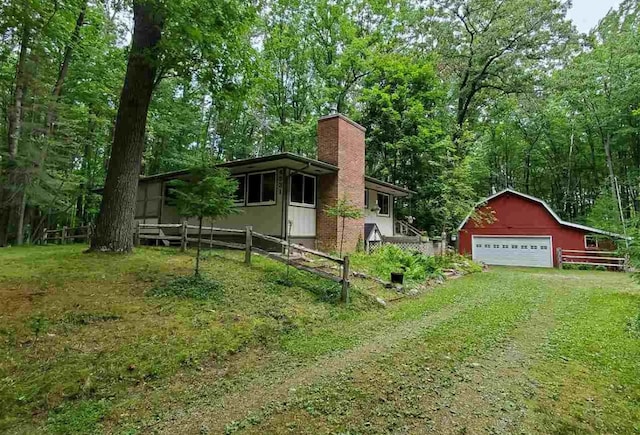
(193, 45)
(114, 226)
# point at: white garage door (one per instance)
(513, 251)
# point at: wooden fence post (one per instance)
(344, 295)
(559, 257)
(247, 244)
(136, 235)
(184, 234)
(63, 235)
(44, 236)
(89, 233)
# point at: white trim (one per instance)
(275, 188)
(539, 201)
(520, 236)
(590, 247)
(315, 191)
(388, 204)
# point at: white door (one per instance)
(531, 251)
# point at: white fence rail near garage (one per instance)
(185, 234)
(608, 259)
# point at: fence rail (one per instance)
(186, 237)
(607, 259)
(66, 234)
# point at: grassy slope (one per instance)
(504, 351)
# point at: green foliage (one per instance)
(415, 266)
(191, 287)
(456, 96)
(209, 192)
(77, 418)
(343, 209)
(38, 324)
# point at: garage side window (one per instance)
(590, 242)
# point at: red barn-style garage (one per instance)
(514, 229)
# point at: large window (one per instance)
(366, 199)
(303, 190)
(383, 203)
(261, 188)
(241, 190)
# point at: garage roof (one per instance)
(549, 209)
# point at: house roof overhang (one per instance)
(291, 161)
(383, 186)
(584, 228)
(276, 161)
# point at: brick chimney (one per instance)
(340, 143)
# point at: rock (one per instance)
(412, 292)
(381, 301)
(474, 365)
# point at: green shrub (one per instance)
(415, 265)
(189, 287)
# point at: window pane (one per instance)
(296, 188)
(309, 190)
(366, 198)
(269, 187)
(383, 203)
(240, 189)
(254, 187)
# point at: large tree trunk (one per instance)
(114, 226)
(10, 197)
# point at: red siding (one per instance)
(518, 216)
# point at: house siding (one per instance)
(265, 219)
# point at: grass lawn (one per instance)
(86, 348)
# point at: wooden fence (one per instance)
(66, 235)
(608, 259)
(186, 234)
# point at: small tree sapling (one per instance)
(343, 209)
(209, 193)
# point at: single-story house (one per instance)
(514, 229)
(285, 195)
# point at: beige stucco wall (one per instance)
(266, 219)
